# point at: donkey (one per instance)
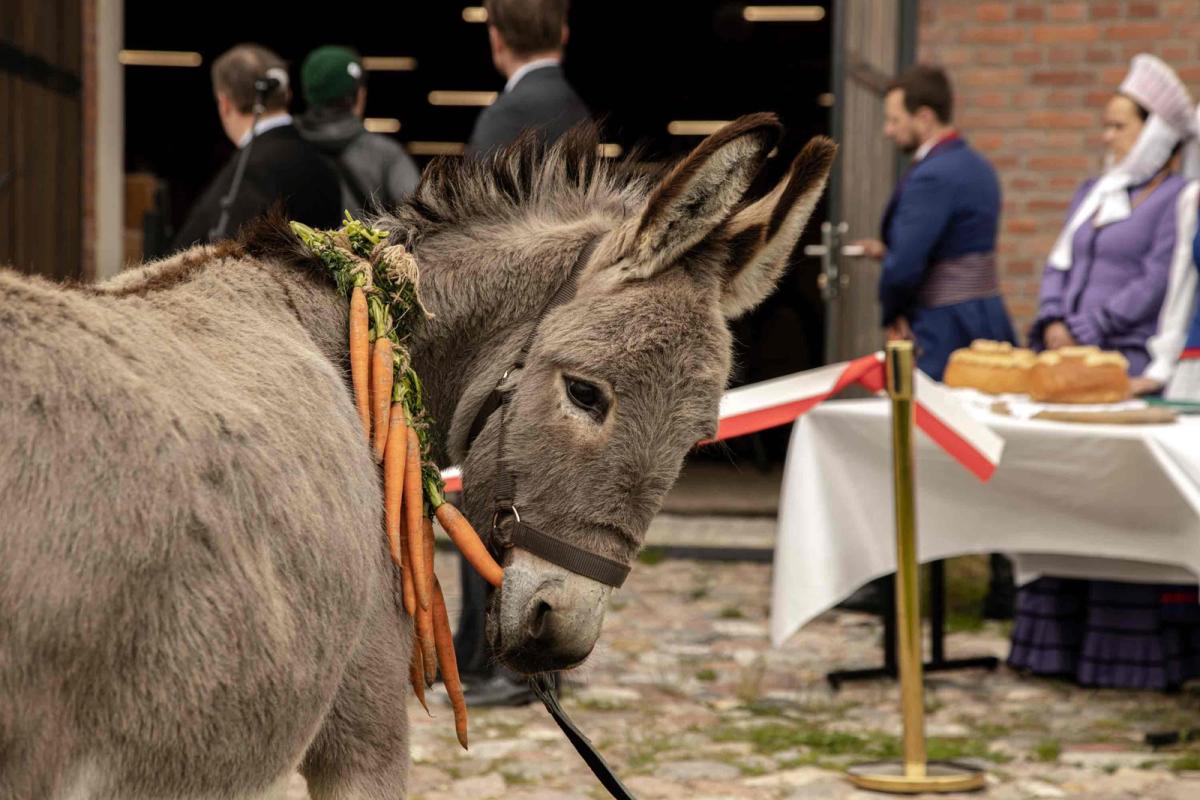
(195, 593)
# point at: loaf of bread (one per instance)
(991, 347)
(1079, 375)
(990, 367)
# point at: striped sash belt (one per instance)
(956, 280)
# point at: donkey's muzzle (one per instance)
(547, 617)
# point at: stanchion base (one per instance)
(939, 777)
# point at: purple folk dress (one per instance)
(1112, 294)
(1108, 633)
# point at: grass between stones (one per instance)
(1188, 762)
(1047, 751)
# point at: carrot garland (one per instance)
(380, 281)
(449, 664)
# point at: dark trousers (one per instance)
(470, 640)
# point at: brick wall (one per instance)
(1031, 80)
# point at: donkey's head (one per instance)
(622, 380)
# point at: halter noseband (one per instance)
(518, 533)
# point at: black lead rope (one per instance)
(544, 689)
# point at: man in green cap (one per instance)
(374, 169)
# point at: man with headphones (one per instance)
(274, 163)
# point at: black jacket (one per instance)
(282, 167)
(542, 99)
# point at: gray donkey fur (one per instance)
(195, 594)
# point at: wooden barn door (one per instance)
(41, 153)
(872, 41)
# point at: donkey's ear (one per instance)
(696, 196)
(762, 235)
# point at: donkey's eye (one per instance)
(587, 396)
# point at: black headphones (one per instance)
(274, 78)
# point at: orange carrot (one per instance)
(427, 613)
(416, 676)
(360, 356)
(469, 544)
(426, 641)
(406, 577)
(381, 392)
(448, 663)
(393, 482)
(427, 548)
(413, 511)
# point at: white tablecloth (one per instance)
(1108, 501)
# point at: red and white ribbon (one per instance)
(754, 408)
(759, 406)
(948, 423)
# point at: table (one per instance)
(1119, 502)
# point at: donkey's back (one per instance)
(189, 553)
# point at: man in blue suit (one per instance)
(938, 285)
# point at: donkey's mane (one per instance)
(562, 180)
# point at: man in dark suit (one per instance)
(281, 166)
(527, 38)
(938, 285)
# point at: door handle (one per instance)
(831, 280)
(848, 250)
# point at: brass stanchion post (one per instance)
(914, 774)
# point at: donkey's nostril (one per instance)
(539, 620)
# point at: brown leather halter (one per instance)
(508, 530)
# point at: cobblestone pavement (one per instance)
(686, 699)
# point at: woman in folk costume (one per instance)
(1128, 232)
(1107, 276)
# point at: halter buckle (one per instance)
(500, 542)
(503, 510)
